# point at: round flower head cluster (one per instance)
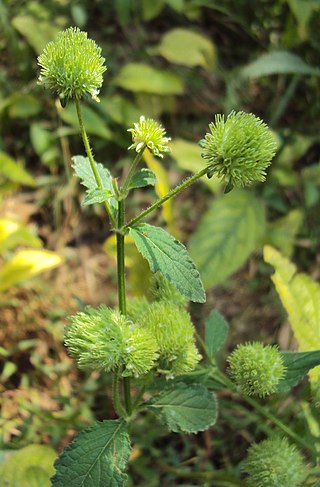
(149, 133)
(174, 332)
(72, 66)
(238, 149)
(164, 290)
(256, 369)
(274, 463)
(103, 339)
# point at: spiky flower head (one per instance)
(238, 149)
(174, 332)
(149, 133)
(72, 66)
(256, 369)
(164, 290)
(274, 463)
(104, 339)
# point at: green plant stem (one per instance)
(115, 395)
(122, 293)
(173, 192)
(131, 172)
(91, 160)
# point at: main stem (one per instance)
(122, 293)
(185, 184)
(91, 160)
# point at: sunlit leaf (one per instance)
(183, 46)
(13, 234)
(142, 77)
(37, 32)
(25, 264)
(13, 171)
(300, 295)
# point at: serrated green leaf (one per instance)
(96, 196)
(216, 332)
(226, 236)
(188, 48)
(144, 177)
(13, 171)
(167, 255)
(18, 470)
(82, 169)
(143, 78)
(279, 62)
(298, 365)
(188, 408)
(97, 457)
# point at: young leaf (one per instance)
(298, 365)
(96, 196)
(96, 457)
(84, 172)
(142, 178)
(226, 236)
(167, 255)
(216, 332)
(188, 408)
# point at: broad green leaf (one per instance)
(216, 332)
(96, 196)
(25, 264)
(279, 62)
(298, 365)
(13, 171)
(226, 236)
(150, 10)
(94, 123)
(37, 32)
(300, 296)
(142, 178)
(82, 169)
(183, 46)
(167, 255)
(140, 77)
(281, 233)
(24, 106)
(13, 234)
(97, 457)
(188, 157)
(162, 187)
(188, 408)
(20, 468)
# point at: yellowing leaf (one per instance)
(13, 234)
(25, 264)
(300, 296)
(162, 187)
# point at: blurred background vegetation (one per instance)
(182, 62)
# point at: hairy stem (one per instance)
(131, 172)
(116, 396)
(91, 160)
(173, 192)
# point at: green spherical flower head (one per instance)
(174, 332)
(72, 66)
(149, 133)
(95, 338)
(141, 351)
(164, 290)
(256, 369)
(274, 463)
(238, 149)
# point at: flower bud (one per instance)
(72, 66)
(274, 463)
(238, 149)
(256, 369)
(174, 332)
(149, 133)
